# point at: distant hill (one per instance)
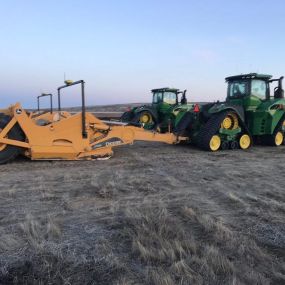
(106, 108)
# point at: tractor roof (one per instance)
(165, 89)
(249, 76)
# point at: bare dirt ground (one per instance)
(152, 214)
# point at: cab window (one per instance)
(170, 98)
(238, 89)
(258, 88)
(157, 97)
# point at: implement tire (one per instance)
(10, 152)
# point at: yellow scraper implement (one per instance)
(60, 135)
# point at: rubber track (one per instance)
(210, 129)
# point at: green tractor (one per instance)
(161, 114)
(250, 114)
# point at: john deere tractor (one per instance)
(250, 114)
(161, 114)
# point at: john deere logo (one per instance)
(110, 142)
(113, 143)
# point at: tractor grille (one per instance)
(262, 126)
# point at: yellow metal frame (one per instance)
(62, 138)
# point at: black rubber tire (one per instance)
(209, 130)
(136, 119)
(10, 152)
(270, 139)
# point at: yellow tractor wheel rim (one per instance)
(244, 141)
(279, 138)
(227, 123)
(215, 143)
(230, 122)
(235, 121)
(145, 118)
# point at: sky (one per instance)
(125, 48)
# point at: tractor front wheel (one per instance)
(277, 138)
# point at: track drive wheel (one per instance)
(9, 152)
(230, 121)
(245, 141)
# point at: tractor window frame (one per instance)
(174, 102)
(267, 91)
(240, 82)
(156, 99)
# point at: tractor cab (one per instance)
(165, 95)
(166, 98)
(259, 99)
(253, 89)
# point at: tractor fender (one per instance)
(217, 108)
(184, 123)
(149, 109)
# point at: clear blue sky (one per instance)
(123, 48)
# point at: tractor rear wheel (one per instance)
(9, 152)
(145, 118)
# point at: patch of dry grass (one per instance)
(183, 246)
(207, 219)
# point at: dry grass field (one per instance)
(152, 214)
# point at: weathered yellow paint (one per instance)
(61, 135)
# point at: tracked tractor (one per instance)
(58, 135)
(161, 114)
(250, 114)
